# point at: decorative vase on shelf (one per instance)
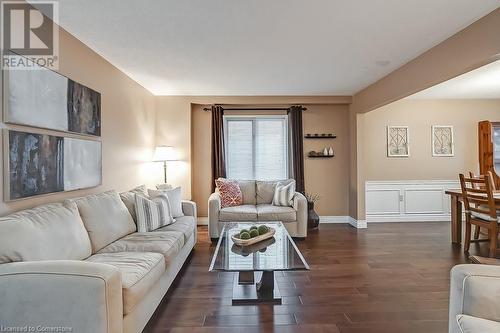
(312, 216)
(325, 151)
(330, 151)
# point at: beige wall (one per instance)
(420, 115)
(328, 177)
(128, 118)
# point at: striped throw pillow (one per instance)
(152, 213)
(283, 194)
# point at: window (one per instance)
(256, 147)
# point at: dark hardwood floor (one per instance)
(391, 277)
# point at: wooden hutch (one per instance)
(489, 149)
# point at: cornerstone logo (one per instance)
(30, 39)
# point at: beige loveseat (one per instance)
(475, 299)
(257, 206)
(80, 266)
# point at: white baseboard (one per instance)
(202, 220)
(359, 224)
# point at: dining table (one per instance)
(457, 200)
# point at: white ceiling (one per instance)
(482, 83)
(264, 47)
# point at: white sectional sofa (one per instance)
(81, 265)
(257, 206)
(475, 299)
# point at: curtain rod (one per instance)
(255, 109)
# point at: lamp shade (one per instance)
(164, 153)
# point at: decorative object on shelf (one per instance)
(39, 164)
(318, 154)
(164, 154)
(443, 144)
(312, 216)
(330, 151)
(61, 104)
(320, 136)
(325, 151)
(398, 144)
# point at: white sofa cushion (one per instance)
(48, 232)
(238, 213)
(140, 271)
(105, 217)
(167, 243)
(174, 198)
(152, 214)
(276, 213)
(184, 224)
(248, 191)
(128, 199)
(469, 324)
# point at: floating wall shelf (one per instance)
(320, 156)
(320, 136)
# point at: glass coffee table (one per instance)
(278, 253)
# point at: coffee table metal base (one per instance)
(247, 292)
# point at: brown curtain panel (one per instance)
(296, 147)
(218, 154)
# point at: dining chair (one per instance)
(477, 229)
(481, 209)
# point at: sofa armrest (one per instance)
(300, 205)
(474, 291)
(189, 208)
(214, 206)
(83, 296)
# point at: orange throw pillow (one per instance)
(230, 192)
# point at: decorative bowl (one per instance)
(246, 242)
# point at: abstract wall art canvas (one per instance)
(398, 141)
(84, 109)
(442, 141)
(41, 164)
(46, 99)
(35, 164)
(82, 163)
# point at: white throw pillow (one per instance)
(174, 197)
(283, 194)
(152, 214)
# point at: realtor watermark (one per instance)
(37, 328)
(29, 36)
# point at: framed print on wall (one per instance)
(443, 144)
(398, 141)
(37, 164)
(46, 99)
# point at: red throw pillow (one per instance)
(230, 192)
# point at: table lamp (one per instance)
(164, 154)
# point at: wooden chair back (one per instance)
(478, 195)
(473, 175)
